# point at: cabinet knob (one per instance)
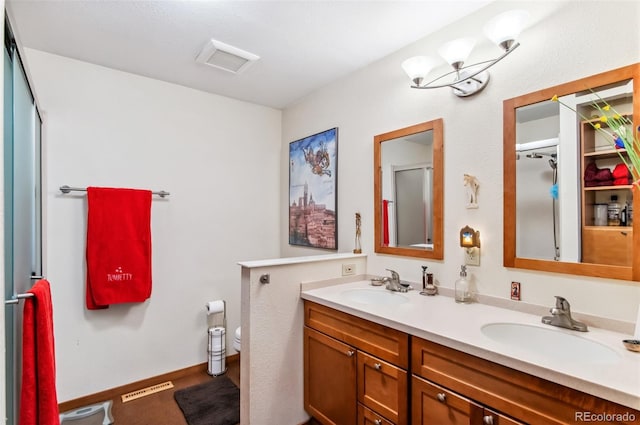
(442, 397)
(350, 353)
(377, 422)
(488, 420)
(377, 366)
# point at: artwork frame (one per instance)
(313, 171)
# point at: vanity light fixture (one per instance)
(470, 241)
(468, 80)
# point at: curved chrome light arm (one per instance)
(490, 63)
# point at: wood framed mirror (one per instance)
(551, 202)
(408, 189)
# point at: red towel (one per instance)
(38, 399)
(590, 172)
(622, 181)
(595, 183)
(118, 246)
(594, 176)
(621, 171)
(385, 223)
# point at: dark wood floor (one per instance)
(161, 408)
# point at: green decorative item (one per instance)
(617, 134)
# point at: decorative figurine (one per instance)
(358, 248)
(471, 184)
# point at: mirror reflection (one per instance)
(568, 197)
(537, 200)
(408, 191)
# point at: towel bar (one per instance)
(66, 189)
(16, 298)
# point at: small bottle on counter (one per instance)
(431, 289)
(462, 291)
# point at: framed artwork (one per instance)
(313, 184)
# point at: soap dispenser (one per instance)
(462, 292)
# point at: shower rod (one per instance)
(66, 189)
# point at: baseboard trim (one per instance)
(115, 393)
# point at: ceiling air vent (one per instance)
(223, 56)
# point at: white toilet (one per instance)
(236, 340)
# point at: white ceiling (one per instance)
(303, 45)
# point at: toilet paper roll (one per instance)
(217, 339)
(214, 307)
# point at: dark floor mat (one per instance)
(213, 403)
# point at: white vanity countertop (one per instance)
(440, 319)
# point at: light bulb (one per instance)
(417, 68)
(505, 28)
(457, 51)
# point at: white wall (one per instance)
(109, 128)
(564, 41)
(272, 361)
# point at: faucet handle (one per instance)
(394, 274)
(562, 303)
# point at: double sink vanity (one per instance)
(373, 356)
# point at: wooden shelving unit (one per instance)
(602, 244)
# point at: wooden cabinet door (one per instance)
(433, 405)
(329, 379)
(607, 245)
(382, 387)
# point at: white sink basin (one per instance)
(551, 343)
(374, 296)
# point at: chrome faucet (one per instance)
(561, 316)
(393, 282)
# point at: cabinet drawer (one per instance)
(385, 343)
(516, 394)
(490, 417)
(369, 417)
(607, 245)
(382, 387)
(434, 405)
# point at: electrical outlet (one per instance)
(348, 269)
(472, 256)
(515, 291)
